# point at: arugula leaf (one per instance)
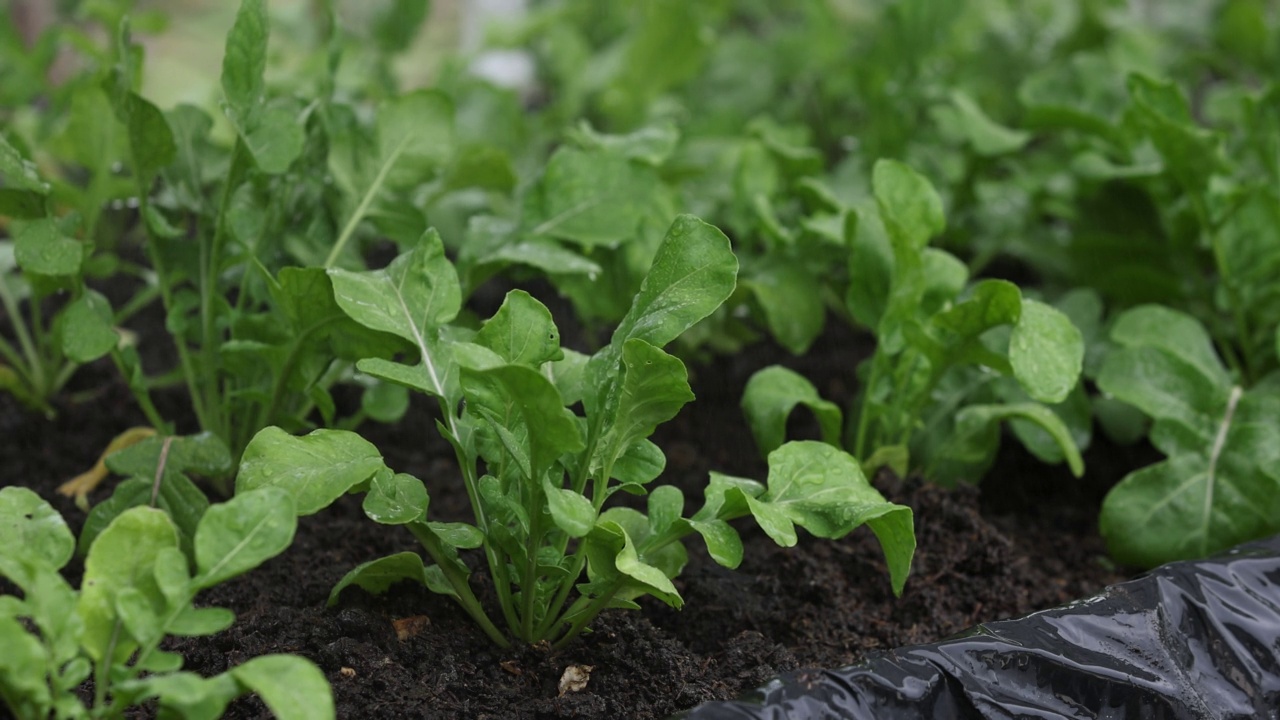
(909, 206)
(245, 58)
(395, 498)
(819, 488)
(316, 469)
(292, 687)
(22, 193)
(415, 137)
(1218, 486)
(119, 564)
(151, 140)
(376, 576)
(984, 135)
(415, 295)
(653, 389)
(526, 409)
(616, 562)
(270, 132)
(772, 394)
(968, 451)
(41, 247)
(28, 522)
(136, 590)
(792, 303)
(1046, 352)
(692, 273)
(242, 533)
(87, 328)
(595, 198)
(1191, 153)
(522, 332)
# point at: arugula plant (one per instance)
(66, 202)
(258, 341)
(1218, 486)
(227, 353)
(1193, 203)
(137, 589)
(538, 473)
(1174, 218)
(41, 260)
(951, 363)
(161, 472)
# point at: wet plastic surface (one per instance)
(1195, 639)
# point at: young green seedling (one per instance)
(539, 475)
(43, 259)
(137, 589)
(925, 401)
(1219, 485)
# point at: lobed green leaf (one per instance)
(242, 533)
(41, 247)
(121, 560)
(909, 206)
(245, 58)
(395, 498)
(1046, 351)
(769, 398)
(376, 576)
(524, 403)
(693, 272)
(653, 388)
(314, 470)
(823, 490)
(522, 332)
(293, 688)
(30, 523)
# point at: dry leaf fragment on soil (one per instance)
(410, 626)
(575, 678)
(80, 485)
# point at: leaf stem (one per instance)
(864, 414)
(141, 395)
(458, 582)
(589, 613)
(529, 583)
(15, 360)
(212, 385)
(136, 304)
(160, 465)
(279, 383)
(102, 670)
(35, 372)
(358, 214)
(1245, 364)
(578, 559)
(1219, 442)
(467, 464)
(166, 299)
(63, 375)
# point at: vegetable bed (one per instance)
(703, 342)
(1027, 542)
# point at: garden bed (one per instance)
(1026, 541)
(1017, 227)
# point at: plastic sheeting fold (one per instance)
(1198, 639)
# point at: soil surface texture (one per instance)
(1024, 541)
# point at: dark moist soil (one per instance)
(1026, 541)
